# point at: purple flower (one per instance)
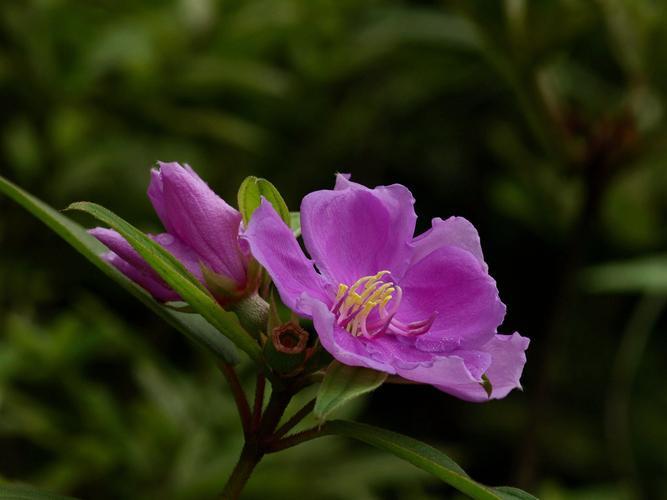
(202, 233)
(423, 308)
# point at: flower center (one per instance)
(362, 308)
(367, 308)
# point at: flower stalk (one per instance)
(239, 396)
(250, 457)
(259, 430)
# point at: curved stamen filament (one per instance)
(354, 306)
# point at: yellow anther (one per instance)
(385, 301)
(356, 303)
(341, 291)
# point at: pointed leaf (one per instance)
(177, 277)
(511, 493)
(426, 458)
(342, 383)
(191, 325)
(250, 195)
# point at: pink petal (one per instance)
(190, 210)
(454, 231)
(156, 287)
(118, 245)
(274, 246)
(508, 359)
(452, 284)
(355, 231)
(182, 252)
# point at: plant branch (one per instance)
(250, 457)
(295, 419)
(274, 411)
(298, 438)
(239, 395)
(259, 402)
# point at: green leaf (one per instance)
(25, 492)
(250, 195)
(645, 275)
(191, 325)
(426, 458)
(200, 330)
(177, 277)
(511, 493)
(342, 383)
(295, 223)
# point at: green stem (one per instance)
(250, 457)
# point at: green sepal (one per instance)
(486, 384)
(222, 288)
(250, 195)
(343, 383)
(295, 223)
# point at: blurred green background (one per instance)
(542, 122)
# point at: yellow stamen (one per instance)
(356, 302)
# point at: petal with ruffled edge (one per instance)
(400, 352)
(148, 282)
(274, 246)
(452, 284)
(508, 354)
(190, 210)
(454, 231)
(355, 231)
(452, 374)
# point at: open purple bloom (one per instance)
(202, 233)
(423, 308)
